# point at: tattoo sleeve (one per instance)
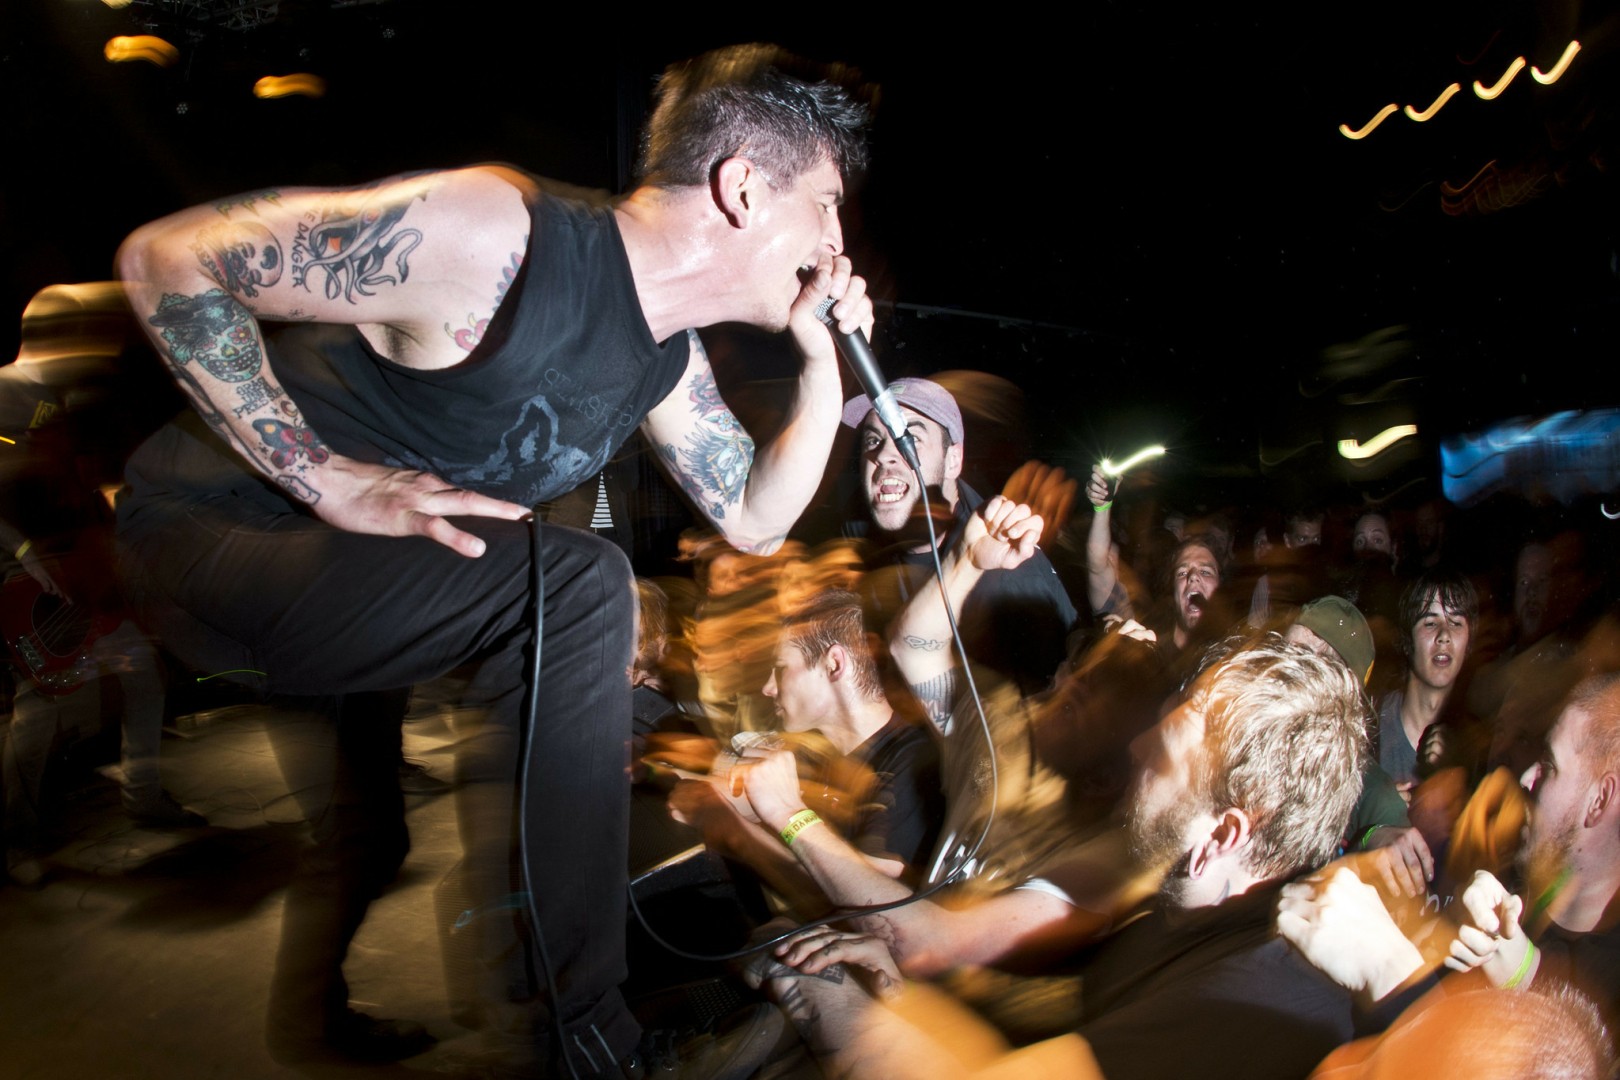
(713, 467)
(213, 333)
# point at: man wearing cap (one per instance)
(1331, 625)
(1027, 605)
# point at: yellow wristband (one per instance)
(1524, 967)
(798, 823)
(25, 547)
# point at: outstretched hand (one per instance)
(360, 497)
(1001, 535)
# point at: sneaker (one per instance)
(163, 811)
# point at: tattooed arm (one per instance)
(752, 498)
(1000, 535)
(398, 259)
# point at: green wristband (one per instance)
(1366, 836)
(1524, 967)
(1098, 508)
(798, 823)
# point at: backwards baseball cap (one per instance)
(920, 395)
(1336, 621)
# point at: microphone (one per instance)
(857, 354)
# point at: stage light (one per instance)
(279, 86)
(154, 50)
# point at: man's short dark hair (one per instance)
(1302, 515)
(1454, 591)
(834, 617)
(754, 101)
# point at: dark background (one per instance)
(1146, 219)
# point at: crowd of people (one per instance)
(1065, 780)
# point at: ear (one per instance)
(1229, 838)
(736, 185)
(1601, 804)
(836, 662)
(953, 461)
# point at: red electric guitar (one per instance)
(49, 638)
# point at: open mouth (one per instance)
(891, 490)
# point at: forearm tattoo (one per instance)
(469, 336)
(354, 247)
(290, 442)
(216, 332)
(213, 329)
(924, 644)
(788, 987)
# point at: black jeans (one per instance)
(228, 583)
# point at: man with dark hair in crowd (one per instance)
(825, 679)
(1017, 620)
(369, 468)
(1193, 574)
(1438, 612)
(1247, 783)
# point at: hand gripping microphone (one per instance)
(857, 353)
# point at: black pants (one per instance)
(227, 583)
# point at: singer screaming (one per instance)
(342, 511)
